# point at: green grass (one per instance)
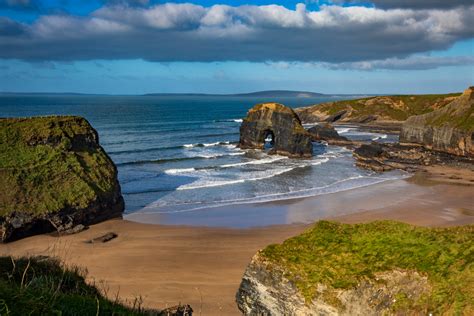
(463, 121)
(412, 105)
(340, 255)
(45, 167)
(42, 286)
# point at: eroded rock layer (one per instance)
(281, 124)
(54, 176)
(449, 129)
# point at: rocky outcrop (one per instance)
(328, 133)
(281, 124)
(377, 110)
(377, 268)
(449, 129)
(54, 177)
(265, 291)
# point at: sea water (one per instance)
(179, 153)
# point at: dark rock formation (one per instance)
(385, 157)
(328, 133)
(336, 117)
(449, 129)
(280, 123)
(54, 176)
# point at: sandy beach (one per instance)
(202, 266)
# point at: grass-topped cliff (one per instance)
(449, 129)
(54, 164)
(381, 108)
(435, 266)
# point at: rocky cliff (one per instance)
(449, 129)
(281, 124)
(380, 109)
(381, 268)
(54, 176)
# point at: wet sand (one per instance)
(202, 266)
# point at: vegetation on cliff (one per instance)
(341, 256)
(54, 164)
(383, 108)
(42, 286)
(45, 166)
(449, 129)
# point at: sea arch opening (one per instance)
(269, 139)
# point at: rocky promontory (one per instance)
(449, 129)
(388, 112)
(379, 268)
(281, 125)
(54, 177)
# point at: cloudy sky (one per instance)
(329, 46)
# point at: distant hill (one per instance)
(258, 94)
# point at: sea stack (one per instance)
(449, 129)
(282, 125)
(54, 177)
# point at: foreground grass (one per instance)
(41, 286)
(340, 255)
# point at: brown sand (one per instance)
(203, 266)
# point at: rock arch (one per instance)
(289, 136)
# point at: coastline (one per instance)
(171, 264)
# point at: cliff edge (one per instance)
(54, 176)
(449, 129)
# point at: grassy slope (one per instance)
(340, 255)
(43, 287)
(414, 105)
(459, 114)
(45, 177)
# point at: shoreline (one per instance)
(308, 209)
(203, 265)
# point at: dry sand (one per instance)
(202, 266)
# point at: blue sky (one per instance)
(135, 47)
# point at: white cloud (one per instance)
(188, 32)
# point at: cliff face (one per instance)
(280, 123)
(380, 268)
(54, 176)
(381, 109)
(449, 129)
(266, 291)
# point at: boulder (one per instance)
(328, 133)
(280, 123)
(54, 177)
(449, 129)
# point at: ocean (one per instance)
(179, 153)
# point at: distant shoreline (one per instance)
(257, 94)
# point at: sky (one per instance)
(207, 46)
